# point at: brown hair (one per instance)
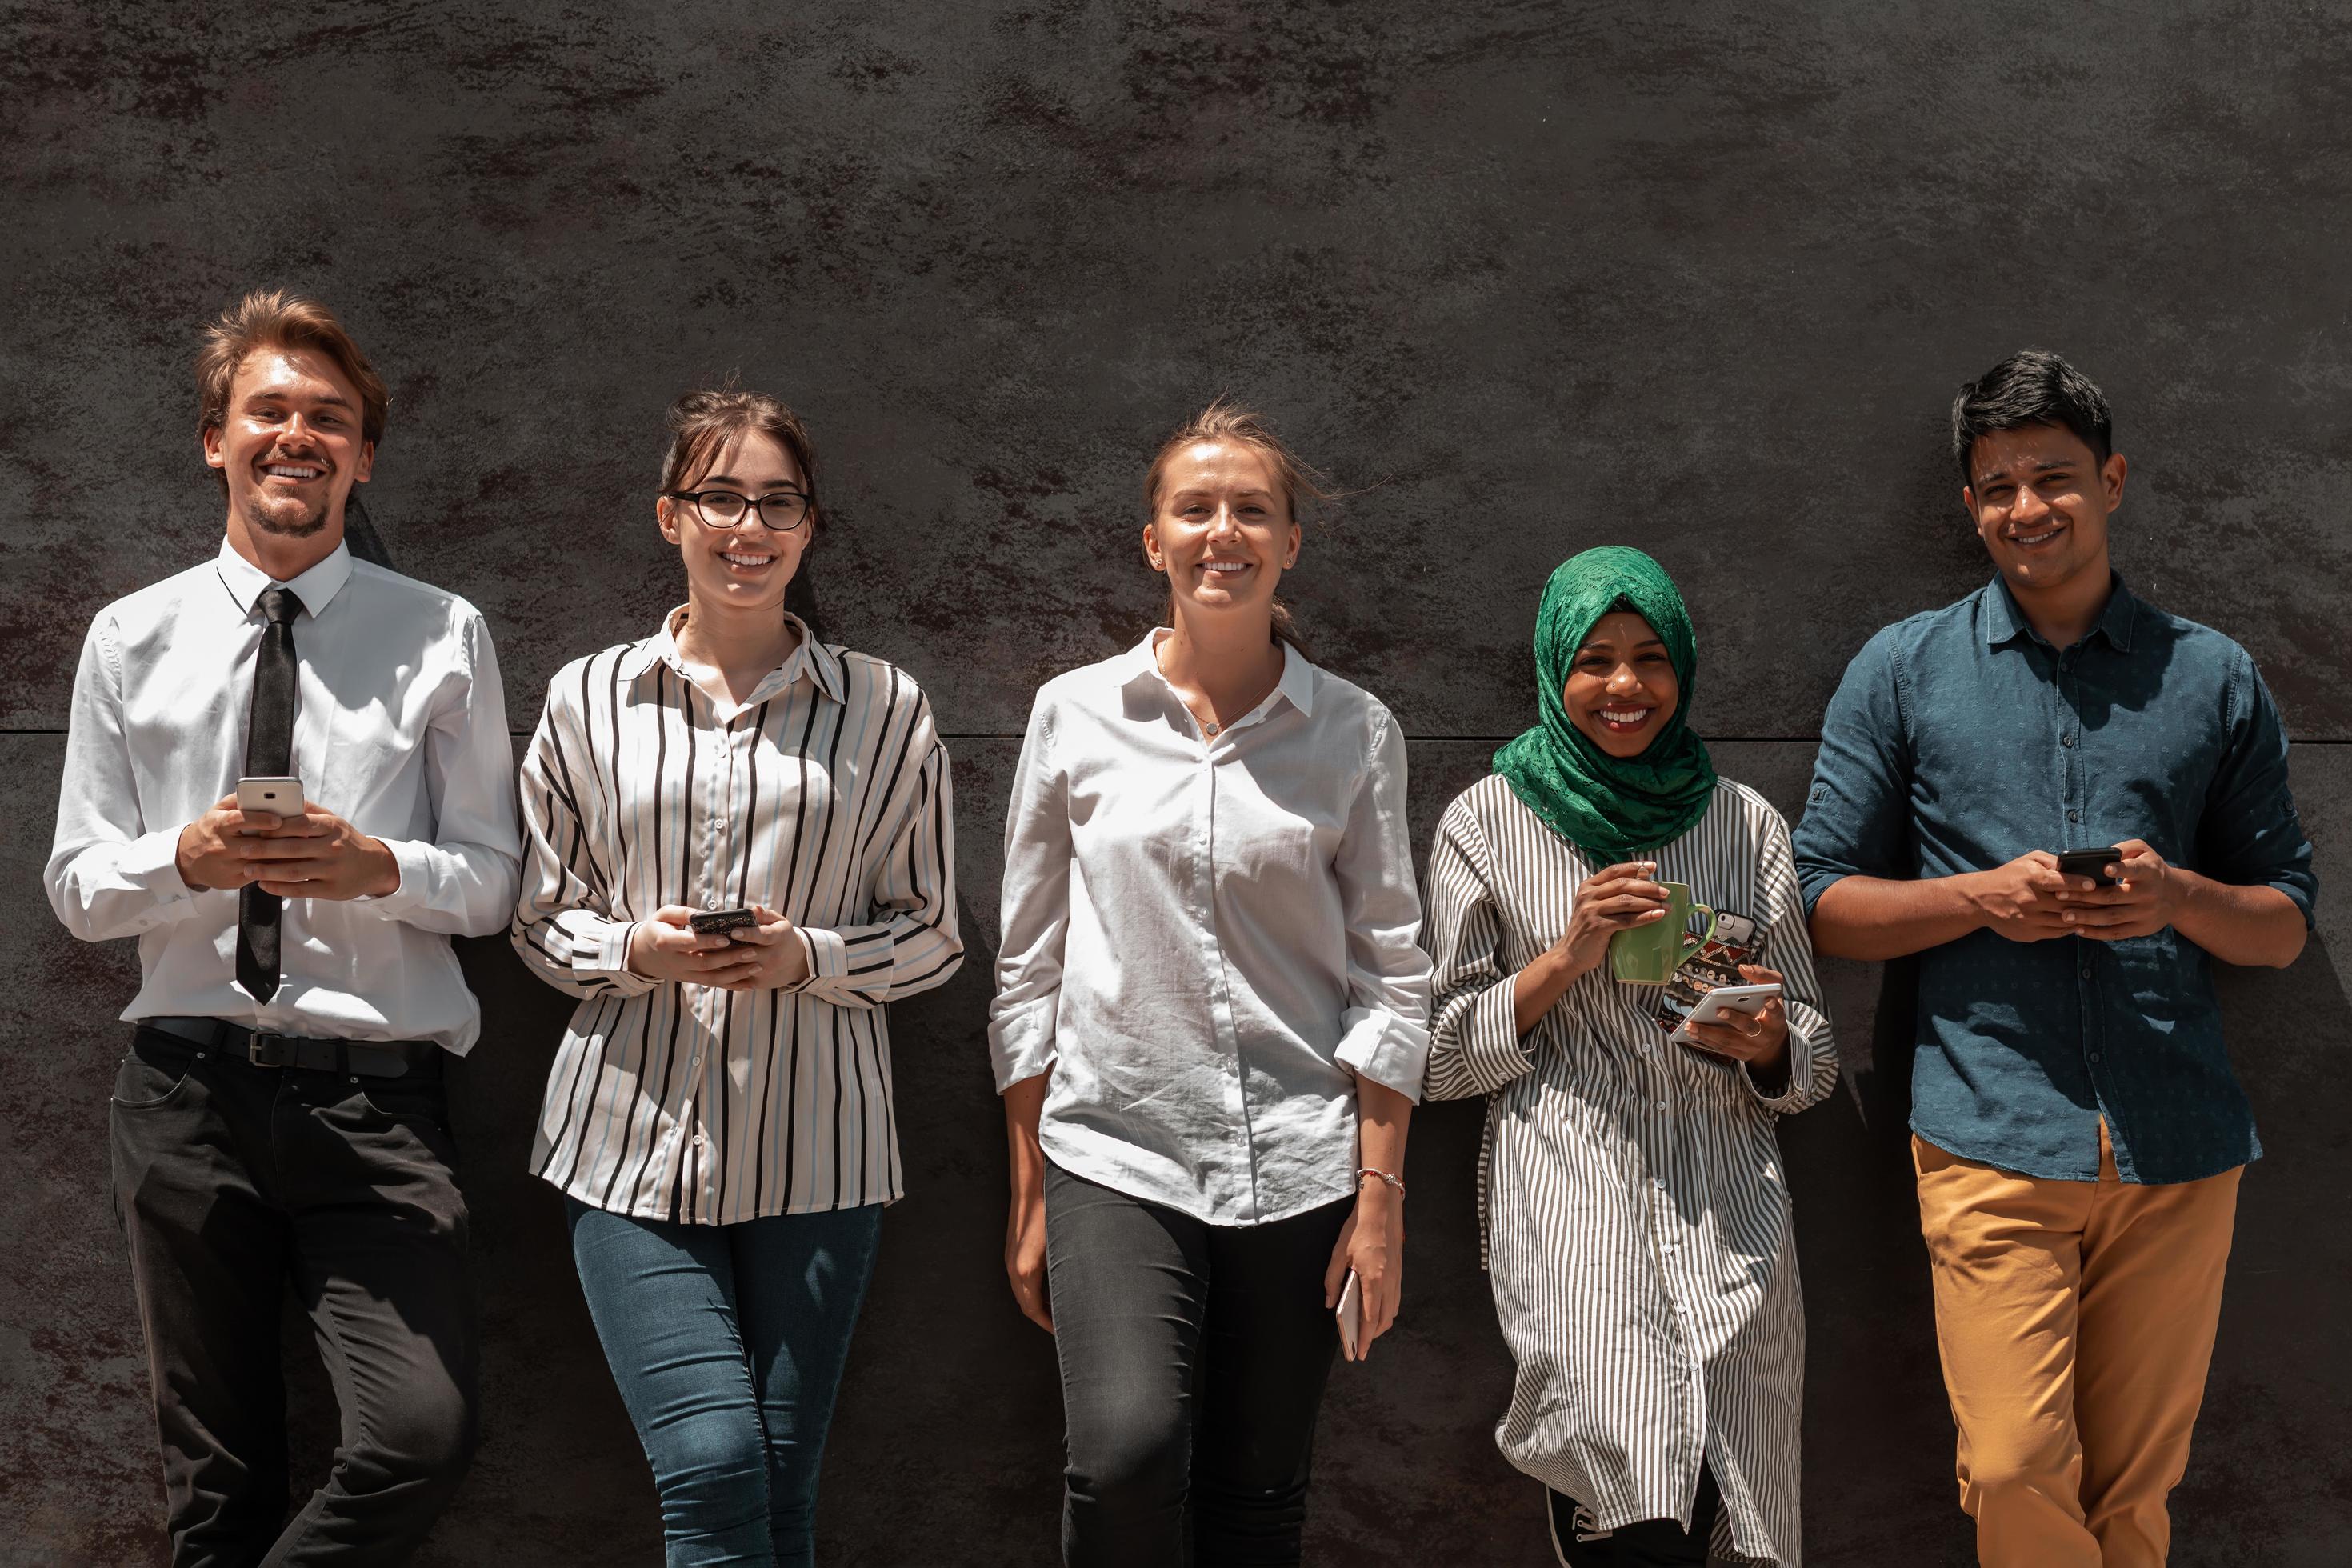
(704, 422)
(1225, 420)
(274, 319)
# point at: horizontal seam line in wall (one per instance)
(1443, 740)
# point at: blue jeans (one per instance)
(728, 1344)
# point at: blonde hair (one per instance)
(1227, 421)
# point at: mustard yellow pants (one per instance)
(2076, 1321)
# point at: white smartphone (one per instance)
(1713, 1007)
(1350, 1314)
(279, 796)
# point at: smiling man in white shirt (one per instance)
(280, 1116)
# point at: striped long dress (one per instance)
(1636, 1220)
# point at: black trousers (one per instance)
(1194, 1359)
(230, 1180)
(1646, 1543)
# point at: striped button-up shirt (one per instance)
(824, 795)
(1637, 1222)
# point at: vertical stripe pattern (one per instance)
(1631, 1195)
(825, 796)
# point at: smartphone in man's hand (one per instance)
(2091, 863)
(278, 796)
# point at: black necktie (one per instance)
(268, 754)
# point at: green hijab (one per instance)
(1609, 807)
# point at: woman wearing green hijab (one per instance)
(1636, 1221)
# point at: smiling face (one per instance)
(1222, 529)
(1621, 686)
(290, 445)
(2040, 502)
(749, 565)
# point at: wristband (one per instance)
(1396, 1183)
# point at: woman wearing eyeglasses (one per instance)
(719, 1117)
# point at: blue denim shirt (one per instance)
(1958, 740)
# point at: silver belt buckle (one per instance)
(268, 1050)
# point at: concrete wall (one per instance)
(1538, 276)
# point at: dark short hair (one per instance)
(2032, 386)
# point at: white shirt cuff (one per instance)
(151, 862)
(416, 873)
(1021, 1042)
(1386, 1050)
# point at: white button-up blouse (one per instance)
(1208, 941)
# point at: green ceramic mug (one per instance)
(1649, 955)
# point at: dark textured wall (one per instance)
(1542, 277)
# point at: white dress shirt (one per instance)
(1208, 942)
(400, 727)
(824, 795)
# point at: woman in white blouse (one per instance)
(718, 1118)
(1636, 1220)
(1209, 1029)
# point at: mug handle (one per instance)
(1708, 936)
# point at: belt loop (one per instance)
(344, 1059)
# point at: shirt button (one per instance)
(2095, 1055)
(2073, 817)
(2086, 972)
(698, 1140)
(2066, 740)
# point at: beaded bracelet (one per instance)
(1396, 1183)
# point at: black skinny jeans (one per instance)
(231, 1179)
(1194, 1359)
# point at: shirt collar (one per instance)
(2005, 622)
(316, 588)
(812, 659)
(1298, 682)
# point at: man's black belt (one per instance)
(367, 1058)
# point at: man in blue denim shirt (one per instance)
(2078, 1133)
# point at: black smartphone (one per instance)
(2091, 863)
(719, 922)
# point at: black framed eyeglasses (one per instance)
(779, 512)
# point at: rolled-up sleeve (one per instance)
(109, 873)
(462, 882)
(912, 943)
(1788, 948)
(1385, 1028)
(564, 924)
(1035, 909)
(1474, 1032)
(2249, 833)
(1857, 819)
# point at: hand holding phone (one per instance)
(278, 796)
(2091, 863)
(1350, 1314)
(1721, 1004)
(719, 922)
